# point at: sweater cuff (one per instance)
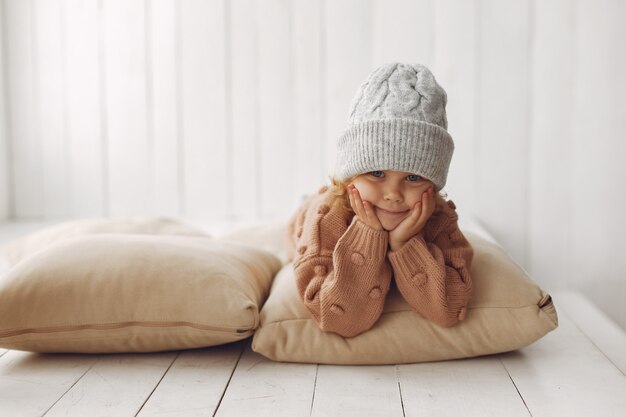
(364, 240)
(411, 257)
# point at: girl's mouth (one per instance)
(392, 213)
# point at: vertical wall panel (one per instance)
(244, 60)
(308, 96)
(552, 74)
(276, 108)
(50, 57)
(24, 118)
(610, 294)
(84, 110)
(589, 184)
(455, 66)
(130, 153)
(349, 60)
(502, 162)
(206, 160)
(162, 103)
(5, 193)
(596, 195)
(403, 31)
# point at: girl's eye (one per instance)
(413, 178)
(377, 174)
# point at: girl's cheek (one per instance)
(359, 189)
(365, 194)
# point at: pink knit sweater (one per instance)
(344, 268)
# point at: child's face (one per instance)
(392, 193)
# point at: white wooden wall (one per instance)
(4, 157)
(229, 110)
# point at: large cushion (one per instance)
(133, 293)
(507, 311)
(25, 246)
(269, 236)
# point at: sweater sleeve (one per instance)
(341, 268)
(434, 276)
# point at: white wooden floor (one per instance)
(577, 370)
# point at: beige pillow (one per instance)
(507, 311)
(134, 293)
(41, 239)
(268, 236)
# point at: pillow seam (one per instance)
(121, 325)
(407, 311)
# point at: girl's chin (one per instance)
(390, 222)
(389, 225)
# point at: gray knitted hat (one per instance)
(397, 122)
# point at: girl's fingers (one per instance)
(363, 209)
(371, 216)
(413, 214)
(417, 210)
(351, 197)
(369, 212)
(421, 208)
(420, 213)
(358, 204)
(427, 203)
(366, 209)
(426, 197)
(431, 200)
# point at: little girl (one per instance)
(383, 216)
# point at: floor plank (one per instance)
(565, 374)
(31, 383)
(195, 382)
(603, 332)
(117, 385)
(357, 391)
(262, 387)
(469, 387)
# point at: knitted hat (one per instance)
(397, 122)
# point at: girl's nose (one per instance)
(393, 195)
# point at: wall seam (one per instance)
(257, 118)
(67, 140)
(40, 212)
(292, 124)
(9, 168)
(228, 106)
(433, 32)
(323, 94)
(477, 109)
(568, 207)
(102, 82)
(180, 135)
(149, 97)
(528, 194)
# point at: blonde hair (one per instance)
(340, 189)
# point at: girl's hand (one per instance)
(363, 209)
(416, 221)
